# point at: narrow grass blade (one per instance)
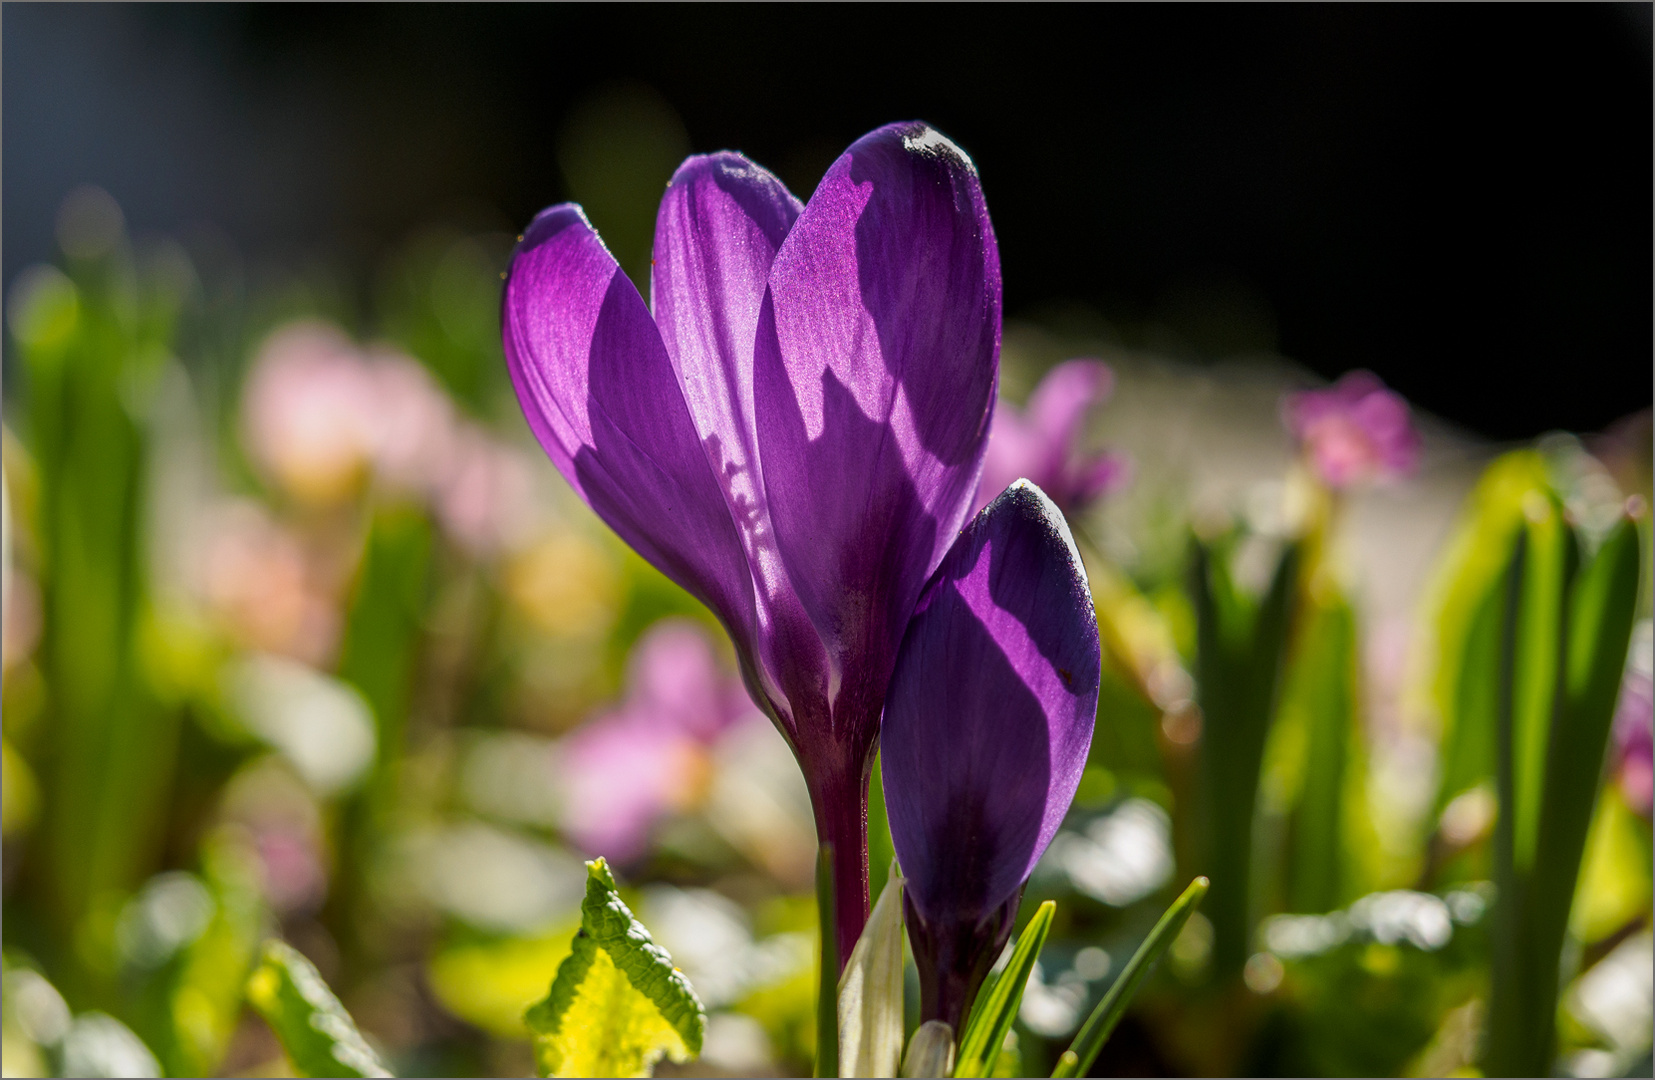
(827, 992)
(1078, 1059)
(990, 1021)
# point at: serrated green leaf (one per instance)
(617, 1005)
(318, 1034)
(997, 1005)
(1078, 1059)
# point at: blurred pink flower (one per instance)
(412, 427)
(627, 769)
(309, 412)
(1354, 431)
(258, 581)
(20, 624)
(1042, 442)
(1634, 741)
(294, 877)
(484, 494)
(322, 417)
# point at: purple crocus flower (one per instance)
(795, 435)
(987, 728)
(1354, 431)
(1043, 441)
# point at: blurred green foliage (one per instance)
(294, 687)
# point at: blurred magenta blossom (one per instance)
(627, 769)
(1355, 431)
(1634, 741)
(1044, 442)
(794, 433)
(323, 418)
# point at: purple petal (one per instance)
(1098, 476)
(721, 221)
(989, 717)
(1014, 449)
(1058, 406)
(874, 376)
(600, 394)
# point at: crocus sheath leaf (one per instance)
(930, 1051)
(617, 1005)
(876, 361)
(992, 1016)
(1078, 1059)
(987, 727)
(871, 991)
(314, 1029)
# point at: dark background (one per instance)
(1458, 197)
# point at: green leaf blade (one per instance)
(617, 1005)
(318, 1034)
(997, 1006)
(1078, 1059)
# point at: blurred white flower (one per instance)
(323, 726)
(491, 878)
(100, 1045)
(169, 912)
(738, 1044)
(1400, 915)
(1616, 998)
(1122, 857)
(35, 1006)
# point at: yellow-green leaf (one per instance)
(617, 1005)
(318, 1034)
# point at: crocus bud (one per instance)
(986, 732)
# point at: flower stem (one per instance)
(839, 800)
